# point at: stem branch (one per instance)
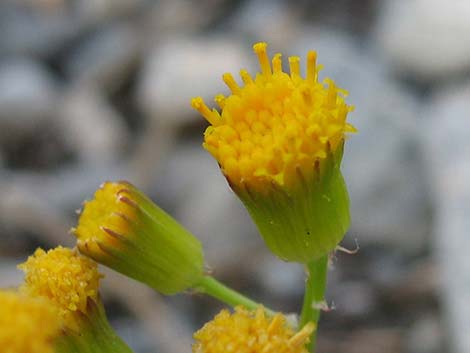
(210, 286)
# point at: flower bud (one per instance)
(124, 230)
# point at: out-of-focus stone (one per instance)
(182, 68)
(446, 145)
(45, 27)
(32, 29)
(99, 11)
(105, 58)
(28, 96)
(427, 38)
(257, 18)
(10, 276)
(425, 335)
(381, 163)
(353, 299)
(91, 126)
(182, 16)
(208, 208)
(62, 191)
(283, 280)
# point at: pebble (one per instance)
(282, 280)
(447, 149)
(353, 299)
(428, 39)
(257, 18)
(205, 204)
(35, 30)
(28, 96)
(181, 68)
(93, 128)
(10, 276)
(425, 335)
(106, 58)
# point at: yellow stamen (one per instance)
(246, 77)
(198, 104)
(231, 83)
(275, 324)
(220, 100)
(294, 64)
(260, 50)
(302, 336)
(277, 63)
(311, 66)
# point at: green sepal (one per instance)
(304, 222)
(93, 335)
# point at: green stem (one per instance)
(314, 297)
(210, 286)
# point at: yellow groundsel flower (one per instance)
(123, 229)
(279, 141)
(27, 325)
(250, 332)
(69, 282)
(66, 278)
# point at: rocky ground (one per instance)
(96, 90)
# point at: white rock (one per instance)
(427, 38)
(28, 96)
(381, 163)
(446, 144)
(91, 126)
(182, 68)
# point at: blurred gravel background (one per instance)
(92, 90)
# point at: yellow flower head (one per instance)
(275, 124)
(27, 325)
(250, 332)
(64, 277)
(279, 142)
(106, 220)
(123, 229)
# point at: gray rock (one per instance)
(257, 18)
(425, 335)
(165, 18)
(35, 29)
(182, 68)
(353, 299)
(381, 163)
(282, 280)
(208, 208)
(10, 276)
(428, 39)
(60, 192)
(93, 12)
(446, 145)
(106, 58)
(91, 126)
(28, 96)
(45, 27)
